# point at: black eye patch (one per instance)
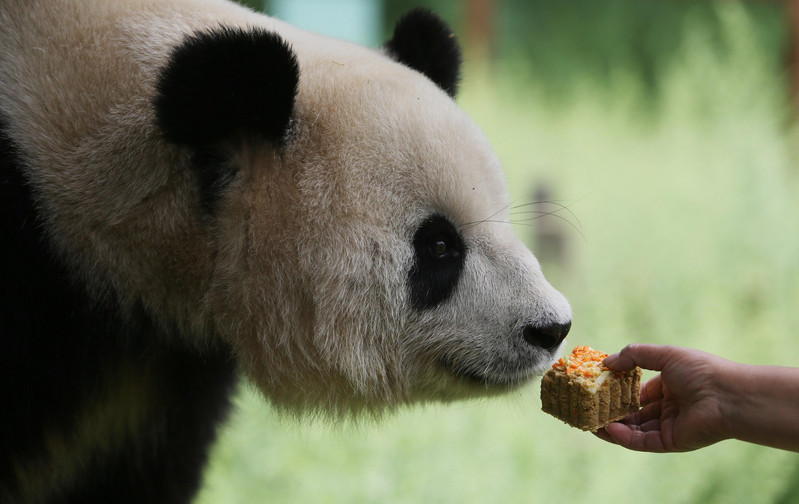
(439, 253)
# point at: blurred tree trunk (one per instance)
(793, 49)
(480, 28)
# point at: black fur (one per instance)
(221, 86)
(224, 83)
(213, 172)
(425, 43)
(439, 253)
(61, 349)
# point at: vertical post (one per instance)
(792, 8)
(549, 239)
(480, 28)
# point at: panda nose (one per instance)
(546, 337)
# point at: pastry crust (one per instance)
(585, 394)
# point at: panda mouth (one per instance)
(509, 377)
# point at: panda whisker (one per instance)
(527, 223)
(511, 206)
(532, 215)
(560, 206)
(490, 218)
(535, 215)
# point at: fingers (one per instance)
(635, 438)
(640, 431)
(646, 414)
(652, 390)
(653, 357)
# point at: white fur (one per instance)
(305, 269)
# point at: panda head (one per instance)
(362, 251)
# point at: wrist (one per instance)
(735, 400)
(759, 404)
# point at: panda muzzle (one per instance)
(546, 337)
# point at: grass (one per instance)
(685, 201)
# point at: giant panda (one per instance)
(191, 191)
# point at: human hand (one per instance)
(682, 406)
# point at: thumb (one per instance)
(647, 356)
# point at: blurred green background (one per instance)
(664, 133)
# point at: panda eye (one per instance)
(438, 261)
(439, 248)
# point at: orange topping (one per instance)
(583, 360)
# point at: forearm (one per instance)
(761, 405)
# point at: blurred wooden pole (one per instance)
(480, 28)
(793, 49)
(549, 238)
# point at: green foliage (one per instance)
(566, 44)
(681, 185)
(257, 5)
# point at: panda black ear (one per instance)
(224, 83)
(425, 43)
